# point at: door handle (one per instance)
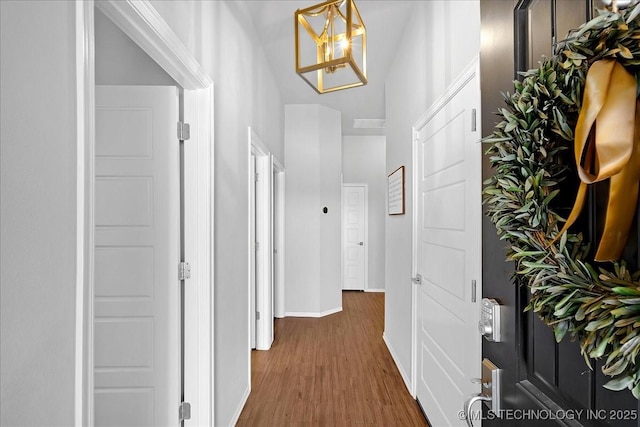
(361, 243)
(418, 279)
(491, 392)
(469, 403)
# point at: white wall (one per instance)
(330, 196)
(217, 34)
(37, 213)
(312, 239)
(440, 41)
(364, 162)
(302, 228)
(119, 61)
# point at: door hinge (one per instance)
(184, 411)
(474, 120)
(256, 177)
(184, 131)
(257, 246)
(257, 315)
(184, 271)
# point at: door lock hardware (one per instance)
(490, 319)
(490, 393)
(418, 279)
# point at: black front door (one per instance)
(544, 383)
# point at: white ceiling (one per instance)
(385, 23)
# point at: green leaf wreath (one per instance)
(598, 306)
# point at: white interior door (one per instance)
(260, 206)
(354, 206)
(136, 301)
(448, 244)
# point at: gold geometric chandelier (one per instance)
(331, 46)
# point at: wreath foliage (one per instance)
(597, 305)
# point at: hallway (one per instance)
(331, 371)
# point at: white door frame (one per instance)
(142, 23)
(414, 258)
(252, 253)
(366, 232)
(467, 74)
(278, 238)
(263, 274)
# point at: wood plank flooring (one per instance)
(332, 371)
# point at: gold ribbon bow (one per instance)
(607, 145)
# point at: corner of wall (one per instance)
(403, 374)
(238, 411)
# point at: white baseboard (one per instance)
(403, 374)
(374, 290)
(308, 314)
(243, 401)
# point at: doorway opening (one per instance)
(118, 193)
(261, 209)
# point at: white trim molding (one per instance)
(238, 411)
(403, 374)
(199, 249)
(314, 315)
(278, 234)
(143, 24)
(471, 71)
(85, 143)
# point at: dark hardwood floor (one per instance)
(332, 371)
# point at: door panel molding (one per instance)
(544, 402)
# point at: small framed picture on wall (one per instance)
(396, 192)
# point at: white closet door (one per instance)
(137, 323)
